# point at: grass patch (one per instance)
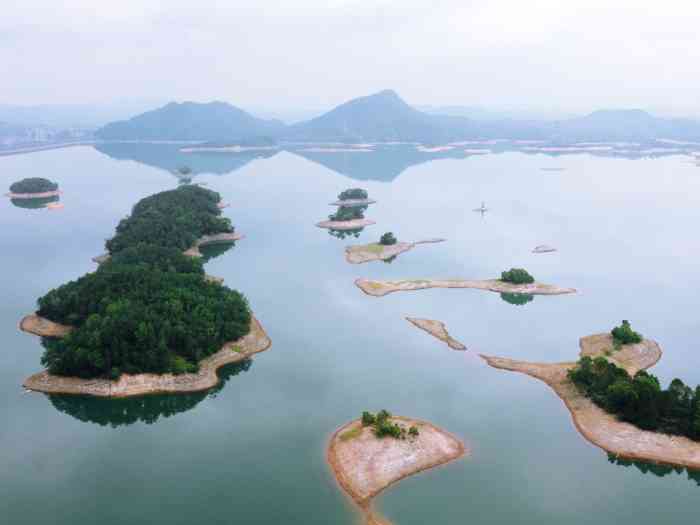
(351, 434)
(374, 248)
(237, 349)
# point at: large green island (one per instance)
(149, 319)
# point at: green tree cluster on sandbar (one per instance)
(33, 185)
(383, 426)
(639, 400)
(174, 218)
(387, 239)
(517, 276)
(353, 194)
(624, 335)
(348, 213)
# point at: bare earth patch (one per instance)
(597, 426)
(377, 252)
(381, 288)
(345, 225)
(364, 465)
(437, 329)
(139, 384)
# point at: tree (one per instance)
(517, 276)
(353, 194)
(624, 334)
(387, 239)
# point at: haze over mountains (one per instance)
(385, 117)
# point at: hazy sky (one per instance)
(571, 55)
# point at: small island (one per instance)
(616, 405)
(369, 454)
(387, 248)
(514, 281)
(33, 188)
(350, 214)
(437, 329)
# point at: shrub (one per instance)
(387, 239)
(623, 334)
(348, 213)
(368, 419)
(413, 431)
(353, 193)
(517, 276)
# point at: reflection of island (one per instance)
(147, 409)
(517, 299)
(169, 157)
(654, 468)
(36, 203)
(365, 464)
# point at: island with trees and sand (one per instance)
(352, 204)
(387, 248)
(436, 329)
(33, 188)
(371, 453)
(513, 281)
(618, 406)
(149, 319)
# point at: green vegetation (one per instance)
(33, 185)
(518, 299)
(623, 334)
(34, 204)
(383, 427)
(639, 400)
(342, 234)
(351, 434)
(175, 218)
(517, 276)
(348, 213)
(387, 239)
(353, 194)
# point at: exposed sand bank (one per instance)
(353, 203)
(135, 385)
(364, 465)
(378, 252)
(345, 225)
(381, 288)
(40, 195)
(597, 426)
(437, 329)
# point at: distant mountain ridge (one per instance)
(385, 117)
(191, 121)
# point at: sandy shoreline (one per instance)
(345, 225)
(353, 203)
(40, 195)
(379, 252)
(600, 428)
(139, 384)
(436, 329)
(365, 465)
(381, 288)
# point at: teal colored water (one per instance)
(252, 451)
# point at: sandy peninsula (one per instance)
(364, 465)
(381, 288)
(139, 384)
(39, 195)
(352, 224)
(437, 329)
(193, 251)
(604, 430)
(380, 252)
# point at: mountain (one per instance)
(382, 117)
(191, 121)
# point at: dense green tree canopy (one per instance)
(624, 334)
(353, 193)
(387, 239)
(33, 185)
(175, 218)
(517, 276)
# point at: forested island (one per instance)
(618, 406)
(350, 216)
(149, 308)
(33, 188)
(369, 454)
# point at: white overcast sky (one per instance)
(572, 55)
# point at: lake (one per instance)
(252, 451)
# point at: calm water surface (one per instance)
(252, 451)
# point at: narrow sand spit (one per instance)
(437, 329)
(193, 251)
(543, 248)
(39, 195)
(353, 203)
(135, 385)
(597, 426)
(381, 288)
(345, 225)
(379, 252)
(364, 465)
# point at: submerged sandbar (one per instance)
(255, 341)
(604, 430)
(379, 252)
(381, 288)
(364, 464)
(437, 329)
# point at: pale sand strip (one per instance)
(381, 288)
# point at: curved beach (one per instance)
(380, 252)
(139, 384)
(365, 465)
(381, 288)
(600, 428)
